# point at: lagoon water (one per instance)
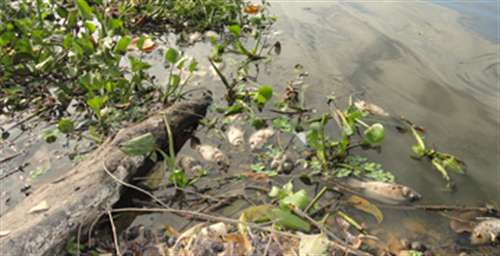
(436, 63)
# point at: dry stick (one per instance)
(5, 159)
(204, 216)
(437, 207)
(315, 199)
(337, 241)
(183, 212)
(115, 237)
(78, 239)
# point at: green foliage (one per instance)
(360, 166)
(178, 178)
(374, 134)
(283, 123)
(65, 125)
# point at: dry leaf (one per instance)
(370, 108)
(40, 207)
(364, 205)
(259, 177)
(313, 245)
(148, 45)
(252, 8)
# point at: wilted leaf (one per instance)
(313, 245)
(371, 108)
(364, 205)
(141, 145)
(252, 8)
(40, 207)
(253, 214)
(156, 177)
(288, 220)
(350, 220)
(374, 134)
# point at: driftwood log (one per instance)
(86, 191)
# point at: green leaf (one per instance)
(266, 91)
(91, 27)
(65, 125)
(418, 150)
(235, 30)
(96, 103)
(193, 66)
(85, 10)
(374, 134)
(234, 109)
(283, 123)
(440, 168)
(258, 123)
(178, 178)
(288, 220)
(141, 145)
(298, 199)
(122, 44)
(175, 80)
(172, 55)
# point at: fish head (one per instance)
(479, 237)
(411, 194)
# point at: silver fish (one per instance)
(385, 192)
(486, 231)
(235, 135)
(260, 137)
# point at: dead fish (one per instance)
(486, 231)
(370, 108)
(212, 154)
(260, 137)
(282, 163)
(464, 222)
(235, 135)
(189, 164)
(385, 192)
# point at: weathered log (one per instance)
(80, 196)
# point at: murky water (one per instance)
(418, 59)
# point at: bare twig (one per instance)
(315, 199)
(7, 158)
(115, 236)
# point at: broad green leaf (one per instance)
(96, 103)
(314, 245)
(122, 44)
(141, 145)
(298, 199)
(374, 134)
(91, 27)
(65, 125)
(84, 8)
(364, 205)
(172, 55)
(266, 91)
(288, 220)
(235, 30)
